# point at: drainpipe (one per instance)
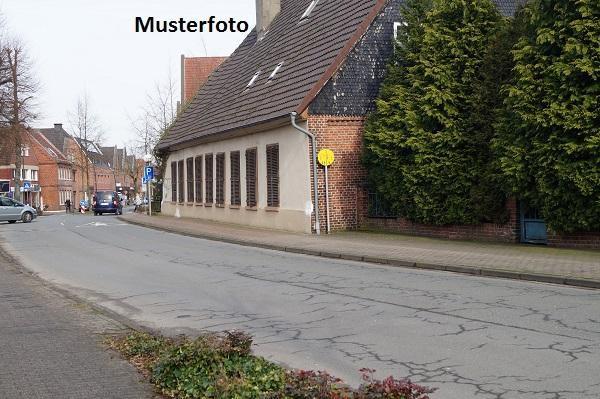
(314, 161)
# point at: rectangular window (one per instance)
(198, 174)
(251, 177)
(220, 181)
(34, 174)
(189, 168)
(235, 178)
(180, 185)
(273, 175)
(173, 181)
(208, 178)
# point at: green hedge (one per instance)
(428, 142)
(549, 137)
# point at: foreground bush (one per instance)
(222, 366)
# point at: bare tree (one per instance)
(133, 167)
(157, 115)
(86, 130)
(18, 95)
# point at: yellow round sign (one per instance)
(326, 157)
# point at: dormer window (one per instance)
(397, 26)
(253, 79)
(310, 9)
(277, 68)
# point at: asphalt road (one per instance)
(471, 337)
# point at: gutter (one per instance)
(314, 162)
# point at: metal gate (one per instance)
(533, 227)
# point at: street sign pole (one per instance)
(326, 158)
(149, 175)
(148, 193)
(327, 198)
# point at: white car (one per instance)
(11, 211)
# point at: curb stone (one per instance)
(470, 270)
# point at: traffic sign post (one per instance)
(326, 158)
(148, 173)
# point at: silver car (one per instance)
(11, 211)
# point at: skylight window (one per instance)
(397, 26)
(277, 68)
(253, 79)
(310, 9)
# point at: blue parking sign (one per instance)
(148, 173)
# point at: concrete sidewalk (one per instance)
(535, 263)
(50, 346)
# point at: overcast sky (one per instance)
(91, 45)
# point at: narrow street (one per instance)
(468, 336)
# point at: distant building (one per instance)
(29, 188)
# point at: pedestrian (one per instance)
(138, 202)
(67, 205)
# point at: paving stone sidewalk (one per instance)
(537, 263)
(50, 346)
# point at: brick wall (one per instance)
(344, 136)
(580, 240)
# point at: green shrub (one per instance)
(549, 137)
(215, 367)
(427, 145)
(221, 366)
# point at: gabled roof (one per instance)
(108, 155)
(52, 150)
(57, 136)
(311, 50)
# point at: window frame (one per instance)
(190, 186)
(198, 168)
(208, 178)
(235, 179)
(251, 181)
(174, 181)
(220, 174)
(273, 183)
(180, 182)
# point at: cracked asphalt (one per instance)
(470, 337)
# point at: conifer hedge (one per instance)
(549, 136)
(428, 142)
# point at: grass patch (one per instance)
(221, 366)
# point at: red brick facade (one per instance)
(508, 232)
(51, 181)
(344, 136)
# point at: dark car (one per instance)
(106, 202)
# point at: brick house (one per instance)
(234, 154)
(91, 170)
(121, 165)
(56, 176)
(29, 188)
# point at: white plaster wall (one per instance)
(294, 182)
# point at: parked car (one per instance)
(11, 211)
(106, 202)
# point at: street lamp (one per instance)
(148, 159)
